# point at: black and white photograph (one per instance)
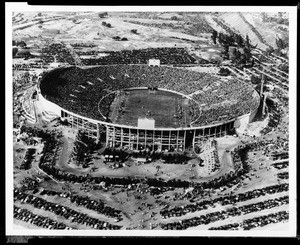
(159, 121)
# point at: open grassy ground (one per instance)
(161, 104)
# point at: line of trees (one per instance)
(118, 38)
(106, 24)
(236, 48)
(282, 44)
(84, 146)
(134, 31)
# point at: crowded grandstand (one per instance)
(79, 90)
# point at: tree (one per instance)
(15, 51)
(21, 44)
(280, 21)
(239, 40)
(242, 60)
(214, 36)
(226, 51)
(117, 38)
(264, 17)
(230, 40)
(224, 72)
(103, 15)
(247, 43)
(236, 56)
(284, 67)
(281, 44)
(134, 31)
(26, 77)
(269, 50)
(108, 25)
(221, 38)
(255, 79)
(247, 53)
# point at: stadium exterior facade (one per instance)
(135, 138)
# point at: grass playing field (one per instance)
(161, 104)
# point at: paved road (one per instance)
(38, 114)
(64, 157)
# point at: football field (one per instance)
(160, 105)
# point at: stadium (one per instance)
(155, 107)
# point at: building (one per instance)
(147, 133)
(153, 62)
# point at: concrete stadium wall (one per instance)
(174, 92)
(252, 115)
(49, 106)
(243, 121)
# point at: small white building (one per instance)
(153, 62)
(57, 64)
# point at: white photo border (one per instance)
(23, 7)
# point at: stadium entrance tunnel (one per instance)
(189, 139)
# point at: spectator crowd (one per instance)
(83, 45)
(28, 66)
(80, 90)
(167, 56)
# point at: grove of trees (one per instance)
(240, 51)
